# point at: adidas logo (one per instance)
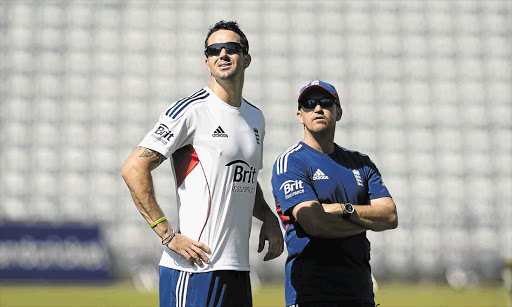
(319, 175)
(219, 133)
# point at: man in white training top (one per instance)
(214, 139)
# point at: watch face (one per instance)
(349, 208)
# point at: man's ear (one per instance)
(206, 64)
(299, 117)
(248, 59)
(339, 113)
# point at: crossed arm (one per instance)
(326, 221)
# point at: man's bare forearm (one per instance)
(143, 195)
(261, 210)
(322, 221)
(378, 216)
(137, 174)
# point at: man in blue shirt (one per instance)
(327, 198)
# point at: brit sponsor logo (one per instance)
(163, 134)
(243, 177)
(219, 132)
(319, 175)
(292, 188)
(357, 176)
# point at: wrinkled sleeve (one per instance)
(376, 187)
(293, 186)
(170, 134)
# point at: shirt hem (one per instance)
(209, 269)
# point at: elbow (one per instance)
(392, 218)
(393, 223)
(125, 172)
(129, 171)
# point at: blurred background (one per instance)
(425, 88)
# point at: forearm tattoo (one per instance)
(155, 157)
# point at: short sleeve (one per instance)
(293, 186)
(376, 187)
(170, 134)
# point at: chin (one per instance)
(321, 129)
(225, 75)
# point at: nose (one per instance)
(223, 52)
(318, 108)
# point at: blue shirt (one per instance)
(300, 174)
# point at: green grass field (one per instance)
(125, 295)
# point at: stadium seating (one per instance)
(424, 85)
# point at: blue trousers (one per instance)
(210, 289)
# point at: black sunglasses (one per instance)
(231, 48)
(312, 103)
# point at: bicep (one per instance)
(386, 202)
(145, 159)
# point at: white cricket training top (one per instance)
(216, 153)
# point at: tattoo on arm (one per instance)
(155, 157)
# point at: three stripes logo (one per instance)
(282, 160)
(257, 134)
(319, 175)
(219, 132)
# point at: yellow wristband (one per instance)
(158, 221)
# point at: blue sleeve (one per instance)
(376, 187)
(293, 186)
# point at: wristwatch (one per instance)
(348, 209)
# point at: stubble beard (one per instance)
(321, 133)
(227, 76)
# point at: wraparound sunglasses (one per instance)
(231, 48)
(312, 103)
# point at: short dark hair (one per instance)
(231, 26)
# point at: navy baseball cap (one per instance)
(317, 84)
